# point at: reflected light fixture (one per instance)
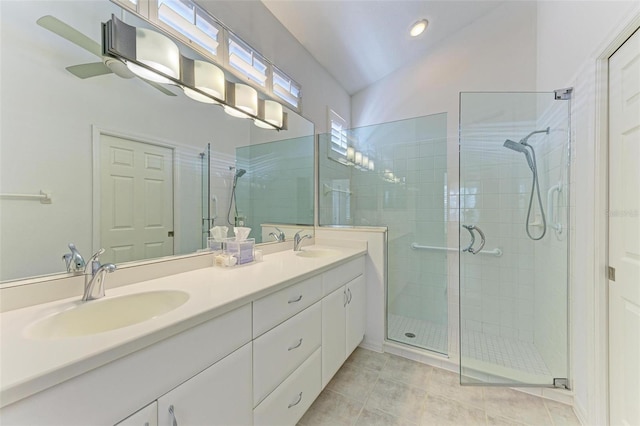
(271, 114)
(158, 52)
(205, 77)
(365, 161)
(418, 28)
(372, 166)
(358, 158)
(243, 98)
(351, 153)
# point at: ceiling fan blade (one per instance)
(64, 30)
(159, 87)
(93, 69)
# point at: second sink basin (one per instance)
(318, 253)
(106, 314)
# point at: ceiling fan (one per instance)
(106, 66)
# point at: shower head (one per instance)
(240, 173)
(520, 147)
(515, 146)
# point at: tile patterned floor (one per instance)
(511, 353)
(382, 389)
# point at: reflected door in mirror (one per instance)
(137, 200)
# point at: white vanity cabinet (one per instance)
(115, 391)
(262, 361)
(343, 315)
(220, 395)
(148, 416)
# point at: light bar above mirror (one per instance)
(155, 57)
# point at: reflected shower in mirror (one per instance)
(88, 137)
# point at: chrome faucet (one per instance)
(74, 260)
(279, 237)
(297, 239)
(94, 279)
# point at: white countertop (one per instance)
(28, 366)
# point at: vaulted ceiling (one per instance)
(361, 41)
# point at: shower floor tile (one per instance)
(506, 352)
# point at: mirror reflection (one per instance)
(123, 161)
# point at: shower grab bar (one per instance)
(556, 226)
(44, 197)
(495, 252)
(328, 189)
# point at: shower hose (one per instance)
(535, 187)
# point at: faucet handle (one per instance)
(94, 262)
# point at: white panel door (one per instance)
(136, 197)
(624, 233)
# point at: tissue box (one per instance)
(214, 245)
(242, 250)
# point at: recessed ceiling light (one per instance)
(418, 28)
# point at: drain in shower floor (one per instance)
(410, 335)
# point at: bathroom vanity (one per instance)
(251, 345)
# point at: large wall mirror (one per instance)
(91, 142)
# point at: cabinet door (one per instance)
(220, 395)
(333, 333)
(148, 416)
(356, 313)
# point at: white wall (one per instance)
(256, 25)
(570, 37)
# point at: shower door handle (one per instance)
(471, 229)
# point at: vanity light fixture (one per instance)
(365, 162)
(157, 51)
(200, 80)
(205, 77)
(243, 101)
(418, 27)
(270, 112)
(371, 165)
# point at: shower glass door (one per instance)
(514, 233)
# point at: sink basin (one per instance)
(318, 253)
(106, 314)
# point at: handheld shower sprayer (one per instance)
(524, 148)
(238, 174)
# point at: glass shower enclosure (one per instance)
(513, 206)
(395, 175)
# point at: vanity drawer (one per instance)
(288, 403)
(339, 276)
(277, 307)
(280, 351)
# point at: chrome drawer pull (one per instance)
(173, 416)
(295, 300)
(297, 345)
(350, 295)
(297, 402)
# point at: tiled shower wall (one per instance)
(278, 185)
